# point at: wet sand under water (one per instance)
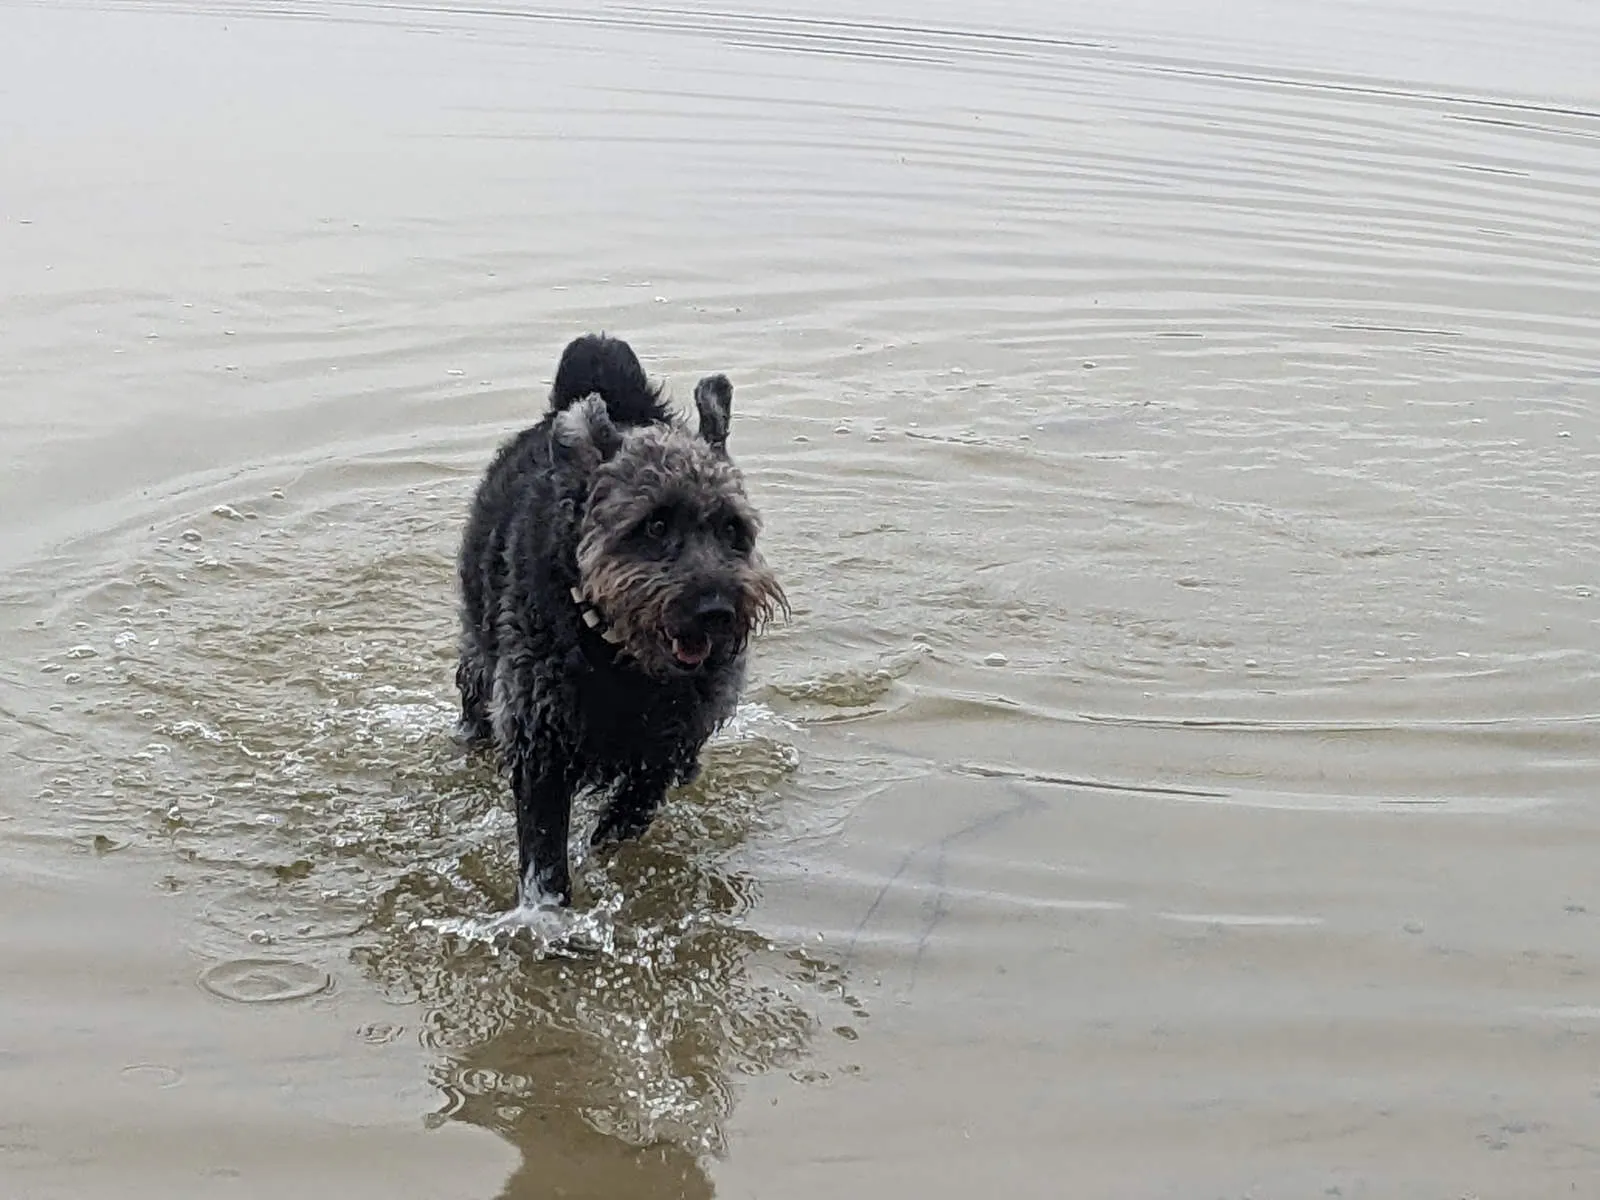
(1179, 438)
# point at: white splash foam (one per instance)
(552, 930)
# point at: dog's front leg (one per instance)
(633, 806)
(542, 787)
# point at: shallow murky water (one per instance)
(1178, 434)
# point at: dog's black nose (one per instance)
(715, 612)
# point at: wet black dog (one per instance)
(609, 587)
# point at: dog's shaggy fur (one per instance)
(609, 587)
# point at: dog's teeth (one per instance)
(577, 596)
(591, 618)
(612, 636)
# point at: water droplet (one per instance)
(227, 512)
(995, 660)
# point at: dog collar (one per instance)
(592, 618)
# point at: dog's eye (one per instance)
(736, 535)
(656, 528)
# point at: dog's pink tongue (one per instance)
(691, 653)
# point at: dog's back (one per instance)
(593, 364)
(597, 365)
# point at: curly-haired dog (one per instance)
(610, 584)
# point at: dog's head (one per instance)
(667, 541)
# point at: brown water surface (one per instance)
(1178, 430)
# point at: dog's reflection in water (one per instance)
(609, 1061)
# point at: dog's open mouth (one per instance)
(691, 649)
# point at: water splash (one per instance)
(547, 929)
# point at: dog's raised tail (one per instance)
(596, 364)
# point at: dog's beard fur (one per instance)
(636, 599)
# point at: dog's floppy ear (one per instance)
(713, 400)
(584, 434)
